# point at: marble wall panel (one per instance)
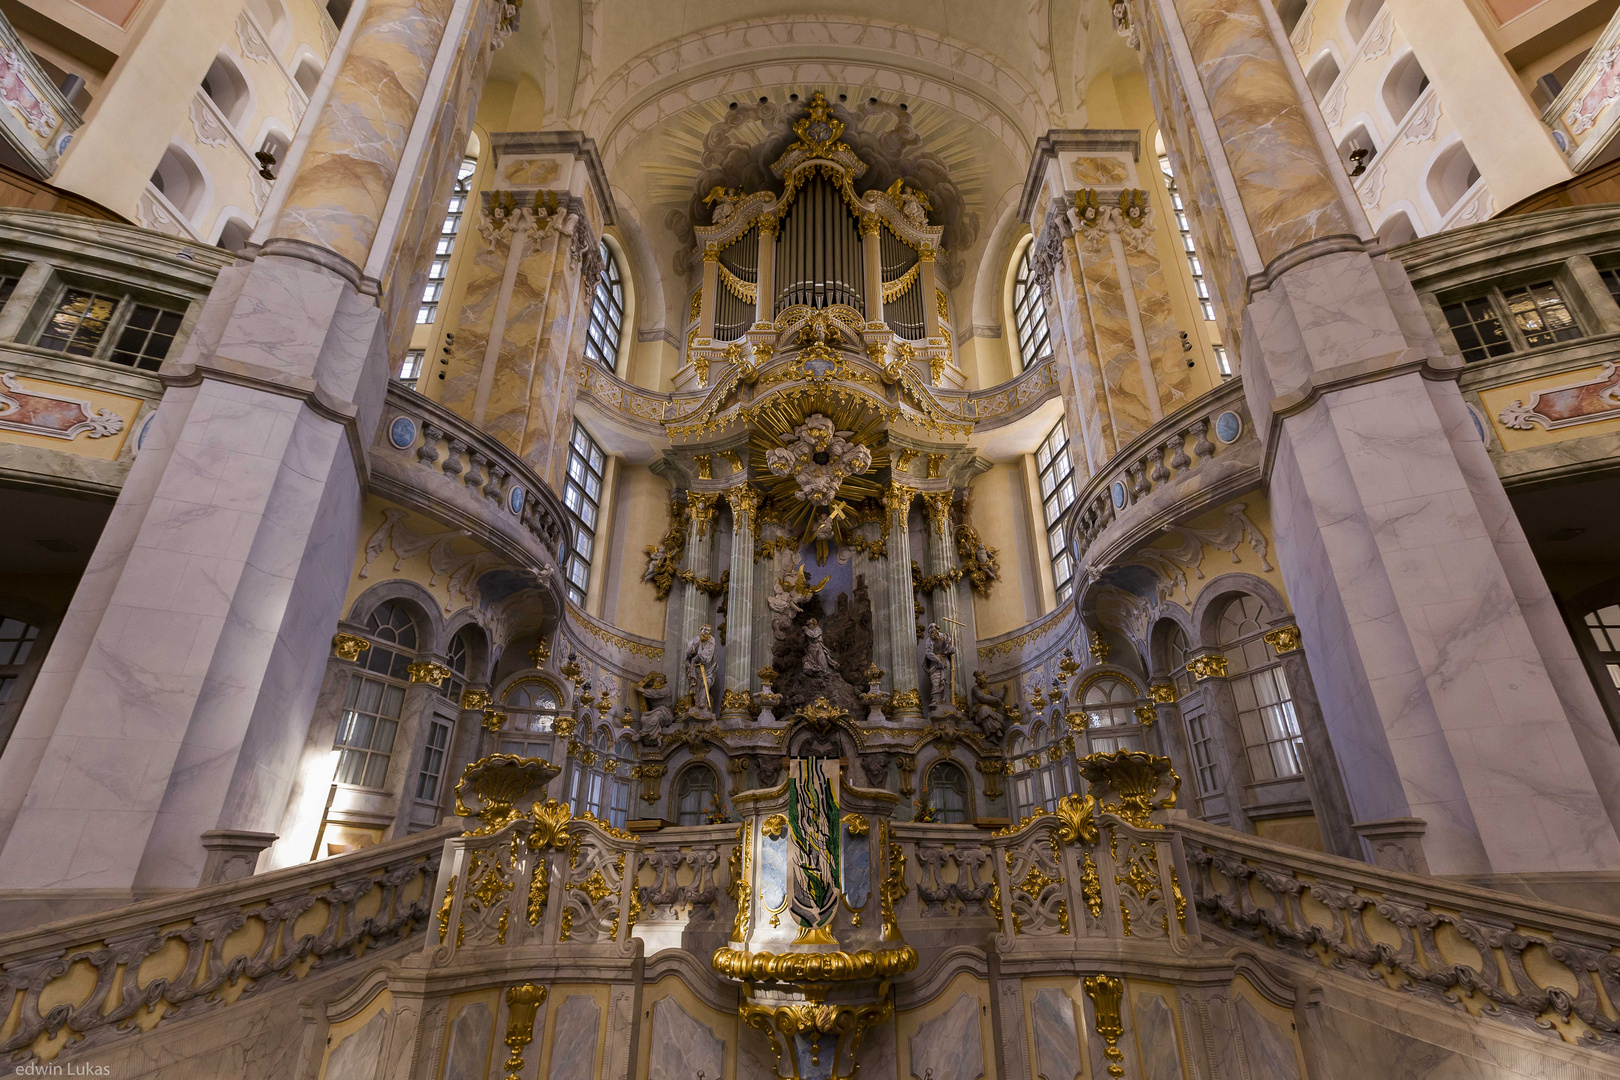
(1285, 184)
(1269, 1050)
(1172, 378)
(682, 1046)
(357, 1056)
(1112, 336)
(573, 1040)
(950, 1046)
(507, 414)
(1156, 1038)
(470, 1036)
(1056, 1037)
(1095, 432)
(484, 272)
(879, 1056)
(546, 389)
(337, 197)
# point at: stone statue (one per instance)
(816, 656)
(818, 458)
(787, 599)
(724, 200)
(913, 203)
(939, 657)
(700, 673)
(989, 710)
(656, 713)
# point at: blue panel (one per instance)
(1228, 426)
(857, 869)
(402, 432)
(514, 499)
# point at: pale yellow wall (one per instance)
(1002, 517)
(641, 516)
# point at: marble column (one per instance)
(941, 562)
(902, 615)
(178, 692)
(1055, 265)
(1448, 683)
(926, 280)
(699, 557)
(1129, 393)
(744, 502)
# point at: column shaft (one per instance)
(765, 276)
(740, 600)
(902, 616)
(941, 561)
(872, 256)
(699, 556)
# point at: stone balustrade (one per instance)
(1194, 459)
(1540, 967)
(1011, 401)
(82, 983)
(429, 458)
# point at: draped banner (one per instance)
(813, 819)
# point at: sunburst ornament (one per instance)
(818, 458)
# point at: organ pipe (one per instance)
(818, 250)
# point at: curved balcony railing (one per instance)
(1193, 459)
(106, 977)
(431, 459)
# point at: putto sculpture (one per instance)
(818, 458)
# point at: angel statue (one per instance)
(724, 200)
(913, 203)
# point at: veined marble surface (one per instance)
(356, 1057)
(950, 1046)
(1156, 1039)
(470, 1035)
(1057, 1040)
(682, 1046)
(573, 1040)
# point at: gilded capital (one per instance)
(743, 499)
(475, 699)
(425, 671)
(938, 505)
(1207, 666)
(1162, 693)
(1284, 639)
(700, 508)
(349, 647)
(897, 497)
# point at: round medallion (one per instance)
(1228, 426)
(514, 499)
(402, 432)
(1117, 491)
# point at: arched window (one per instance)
(607, 313)
(1403, 86)
(1029, 313)
(695, 790)
(1041, 770)
(948, 793)
(308, 75)
(227, 88)
(1323, 74)
(531, 708)
(1397, 229)
(180, 180)
(1110, 704)
(371, 707)
(439, 268)
(1271, 736)
(1359, 16)
(455, 658)
(234, 236)
(616, 805)
(1200, 726)
(1188, 246)
(1055, 469)
(1450, 177)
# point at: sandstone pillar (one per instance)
(694, 601)
(1449, 685)
(177, 696)
(942, 565)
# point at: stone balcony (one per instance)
(430, 459)
(72, 408)
(1545, 400)
(1191, 461)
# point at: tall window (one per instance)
(531, 708)
(376, 693)
(1029, 311)
(1111, 722)
(17, 640)
(83, 320)
(1271, 736)
(694, 791)
(607, 313)
(410, 369)
(1200, 729)
(582, 494)
(948, 793)
(440, 267)
(456, 660)
(433, 757)
(600, 781)
(1603, 623)
(1057, 495)
(1187, 246)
